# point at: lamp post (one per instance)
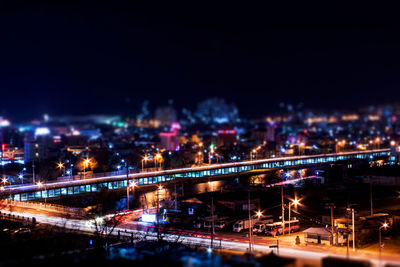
(40, 184)
(252, 152)
(385, 225)
(60, 165)
(159, 188)
(4, 181)
(295, 202)
(210, 152)
(301, 148)
(156, 158)
(199, 157)
(378, 142)
(85, 165)
(145, 158)
(259, 214)
(21, 177)
(128, 186)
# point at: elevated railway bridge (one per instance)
(29, 192)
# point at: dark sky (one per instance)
(107, 57)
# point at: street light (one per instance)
(40, 184)
(145, 159)
(60, 165)
(259, 214)
(254, 151)
(295, 202)
(199, 157)
(385, 225)
(157, 157)
(301, 147)
(210, 152)
(128, 186)
(378, 141)
(86, 163)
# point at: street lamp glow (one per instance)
(60, 165)
(385, 225)
(39, 184)
(259, 214)
(296, 202)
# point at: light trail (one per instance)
(300, 253)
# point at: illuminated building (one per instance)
(226, 137)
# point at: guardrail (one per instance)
(16, 218)
(45, 206)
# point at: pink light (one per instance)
(168, 134)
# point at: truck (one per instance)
(276, 228)
(219, 223)
(242, 225)
(259, 227)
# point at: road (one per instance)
(222, 241)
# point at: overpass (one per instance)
(74, 187)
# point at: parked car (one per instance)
(22, 231)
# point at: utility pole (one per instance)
(370, 196)
(212, 222)
(283, 212)
(33, 170)
(348, 240)
(354, 233)
(157, 215)
(290, 207)
(250, 223)
(127, 186)
(176, 203)
(332, 223)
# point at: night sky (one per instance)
(107, 57)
